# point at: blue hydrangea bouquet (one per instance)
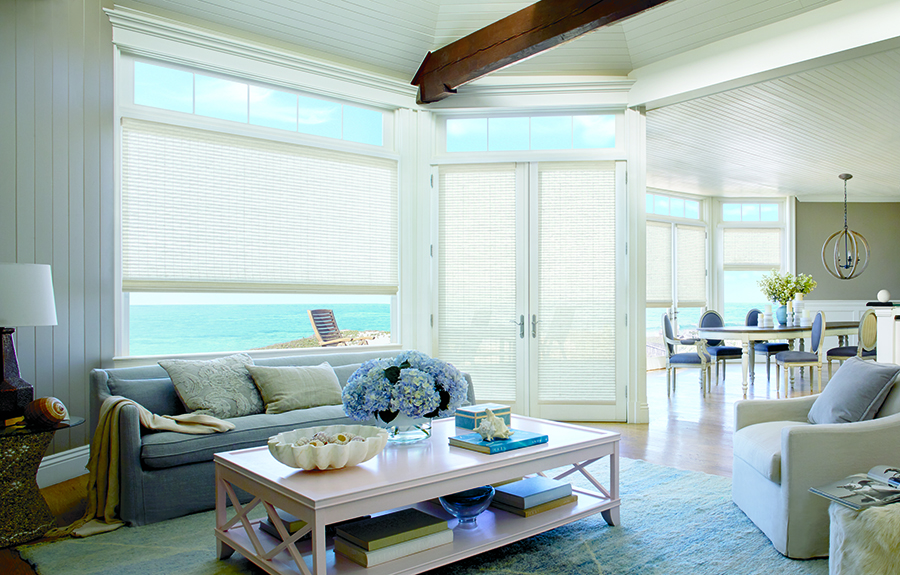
(411, 384)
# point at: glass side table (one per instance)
(24, 514)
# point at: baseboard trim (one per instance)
(63, 466)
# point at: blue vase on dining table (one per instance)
(781, 315)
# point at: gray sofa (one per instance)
(166, 474)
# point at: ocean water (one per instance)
(174, 329)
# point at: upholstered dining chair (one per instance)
(716, 347)
(865, 347)
(766, 347)
(810, 359)
(698, 358)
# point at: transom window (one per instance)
(503, 134)
(235, 101)
(750, 212)
(663, 205)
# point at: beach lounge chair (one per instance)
(326, 329)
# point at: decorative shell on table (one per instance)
(45, 412)
(328, 447)
(492, 427)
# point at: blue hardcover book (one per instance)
(531, 492)
(518, 439)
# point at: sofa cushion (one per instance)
(343, 372)
(296, 387)
(156, 395)
(759, 446)
(219, 387)
(855, 393)
(168, 449)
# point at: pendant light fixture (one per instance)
(849, 250)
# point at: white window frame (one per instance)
(784, 223)
(441, 156)
(126, 108)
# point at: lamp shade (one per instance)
(26, 295)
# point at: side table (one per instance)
(24, 514)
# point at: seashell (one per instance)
(343, 438)
(45, 412)
(301, 441)
(357, 438)
(316, 443)
(321, 436)
(492, 427)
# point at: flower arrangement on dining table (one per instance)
(782, 287)
(412, 384)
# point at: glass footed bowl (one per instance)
(467, 505)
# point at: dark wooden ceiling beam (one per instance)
(528, 32)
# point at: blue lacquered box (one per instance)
(470, 416)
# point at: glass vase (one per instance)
(406, 429)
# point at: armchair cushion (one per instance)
(891, 405)
(760, 447)
(855, 393)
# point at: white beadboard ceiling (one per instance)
(789, 136)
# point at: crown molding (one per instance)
(157, 37)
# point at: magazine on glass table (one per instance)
(880, 486)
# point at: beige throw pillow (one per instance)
(286, 388)
(218, 387)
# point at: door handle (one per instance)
(534, 322)
(521, 324)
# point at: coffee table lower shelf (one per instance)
(495, 529)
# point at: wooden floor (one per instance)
(686, 431)
(689, 431)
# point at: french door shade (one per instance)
(208, 211)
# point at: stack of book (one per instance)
(293, 524)
(383, 538)
(533, 495)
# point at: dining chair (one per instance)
(810, 359)
(766, 347)
(716, 347)
(866, 343)
(698, 358)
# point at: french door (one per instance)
(676, 281)
(530, 275)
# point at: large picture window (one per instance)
(228, 240)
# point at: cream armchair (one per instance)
(779, 455)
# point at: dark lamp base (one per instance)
(15, 392)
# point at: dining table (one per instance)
(751, 333)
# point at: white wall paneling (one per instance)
(56, 197)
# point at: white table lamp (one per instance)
(26, 299)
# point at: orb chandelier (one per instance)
(849, 250)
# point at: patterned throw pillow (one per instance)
(219, 387)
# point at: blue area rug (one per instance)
(673, 522)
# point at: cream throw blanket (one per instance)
(103, 465)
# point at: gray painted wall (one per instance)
(56, 186)
(879, 223)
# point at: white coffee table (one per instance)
(404, 476)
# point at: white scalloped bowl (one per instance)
(331, 455)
